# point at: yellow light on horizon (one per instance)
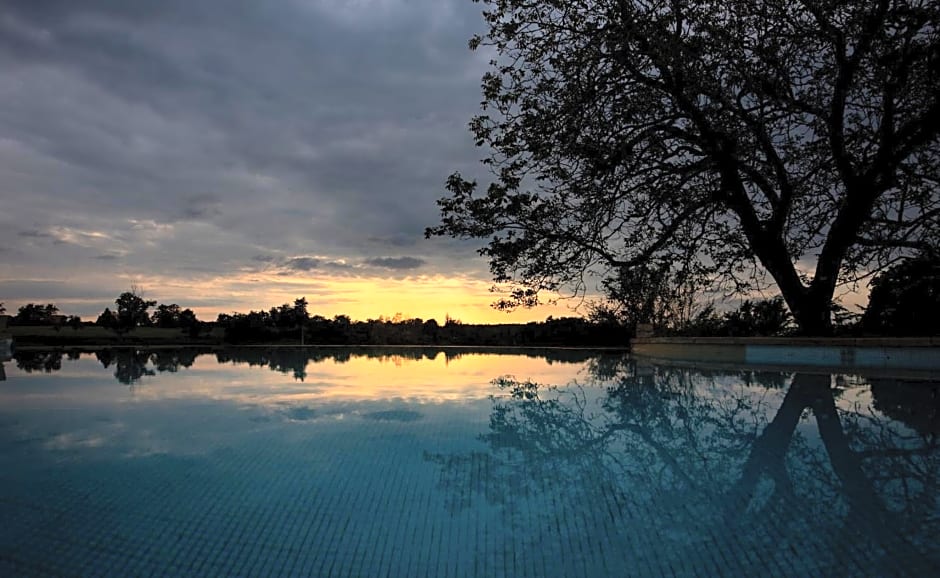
(361, 298)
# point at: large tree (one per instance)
(132, 309)
(795, 140)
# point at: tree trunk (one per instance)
(811, 307)
(813, 314)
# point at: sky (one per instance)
(229, 155)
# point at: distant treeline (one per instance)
(565, 331)
(293, 324)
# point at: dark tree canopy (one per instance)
(166, 316)
(132, 310)
(35, 314)
(107, 319)
(905, 299)
(795, 139)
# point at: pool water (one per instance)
(423, 462)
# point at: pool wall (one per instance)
(921, 353)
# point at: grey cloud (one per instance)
(303, 264)
(312, 263)
(201, 207)
(397, 263)
(23, 290)
(34, 234)
(107, 257)
(394, 241)
(289, 127)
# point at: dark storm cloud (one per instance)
(397, 263)
(303, 264)
(281, 127)
(201, 207)
(313, 263)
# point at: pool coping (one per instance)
(917, 354)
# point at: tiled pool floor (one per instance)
(230, 470)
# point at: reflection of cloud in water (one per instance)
(299, 413)
(402, 415)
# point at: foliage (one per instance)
(752, 318)
(655, 293)
(172, 316)
(132, 310)
(166, 316)
(745, 136)
(758, 318)
(706, 323)
(905, 299)
(107, 319)
(35, 314)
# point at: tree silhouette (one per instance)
(35, 314)
(132, 310)
(905, 299)
(748, 138)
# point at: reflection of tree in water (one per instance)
(42, 361)
(130, 365)
(693, 458)
(171, 360)
(295, 360)
(281, 359)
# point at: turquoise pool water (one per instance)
(419, 462)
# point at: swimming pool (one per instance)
(422, 462)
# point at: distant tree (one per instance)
(300, 310)
(431, 330)
(706, 323)
(187, 319)
(656, 292)
(74, 321)
(754, 137)
(166, 316)
(107, 319)
(845, 322)
(132, 310)
(2, 309)
(905, 299)
(758, 318)
(35, 314)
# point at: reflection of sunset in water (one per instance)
(423, 376)
(466, 377)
